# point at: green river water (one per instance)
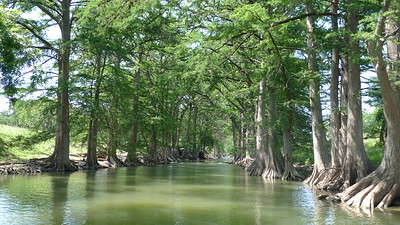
(181, 193)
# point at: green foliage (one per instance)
(11, 52)
(35, 114)
(14, 144)
(182, 69)
(375, 150)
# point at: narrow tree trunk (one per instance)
(321, 156)
(91, 159)
(153, 144)
(131, 157)
(179, 131)
(382, 186)
(195, 149)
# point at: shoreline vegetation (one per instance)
(18, 156)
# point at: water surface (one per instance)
(170, 194)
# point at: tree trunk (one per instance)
(91, 159)
(60, 159)
(195, 150)
(274, 167)
(321, 156)
(131, 157)
(258, 166)
(153, 144)
(330, 180)
(356, 164)
(382, 187)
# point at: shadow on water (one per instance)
(184, 193)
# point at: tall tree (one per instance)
(382, 186)
(259, 165)
(321, 156)
(59, 14)
(356, 164)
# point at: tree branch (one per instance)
(34, 33)
(301, 17)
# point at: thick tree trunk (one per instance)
(112, 147)
(356, 164)
(91, 158)
(259, 165)
(337, 153)
(321, 156)
(275, 163)
(60, 159)
(382, 187)
(289, 172)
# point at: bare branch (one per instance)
(34, 33)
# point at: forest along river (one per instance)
(170, 194)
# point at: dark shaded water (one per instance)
(170, 194)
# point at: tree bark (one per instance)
(356, 163)
(321, 156)
(60, 161)
(258, 166)
(275, 163)
(330, 180)
(91, 159)
(153, 144)
(131, 157)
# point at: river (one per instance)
(181, 193)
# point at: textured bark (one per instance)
(289, 170)
(112, 147)
(131, 157)
(334, 94)
(331, 174)
(91, 159)
(258, 166)
(356, 164)
(382, 187)
(275, 163)
(153, 144)
(242, 157)
(321, 156)
(59, 161)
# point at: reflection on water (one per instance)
(169, 194)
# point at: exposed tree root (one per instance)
(266, 169)
(331, 179)
(272, 173)
(244, 162)
(61, 166)
(256, 168)
(291, 174)
(316, 177)
(115, 161)
(379, 189)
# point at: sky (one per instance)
(3, 103)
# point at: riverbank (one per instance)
(38, 165)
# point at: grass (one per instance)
(374, 150)
(21, 144)
(16, 148)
